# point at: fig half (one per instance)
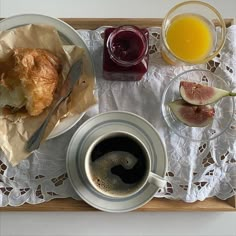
(198, 94)
(192, 115)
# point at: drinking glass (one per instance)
(193, 32)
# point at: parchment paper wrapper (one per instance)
(15, 129)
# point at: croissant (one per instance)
(28, 78)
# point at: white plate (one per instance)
(69, 36)
(102, 124)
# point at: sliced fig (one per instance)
(198, 94)
(192, 115)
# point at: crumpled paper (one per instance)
(15, 129)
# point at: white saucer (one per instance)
(69, 36)
(105, 123)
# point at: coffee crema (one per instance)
(118, 165)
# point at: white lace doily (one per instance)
(194, 173)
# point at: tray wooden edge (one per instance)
(94, 23)
(155, 205)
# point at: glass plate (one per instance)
(224, 108)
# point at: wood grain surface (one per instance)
(156, 204)
(94, 23)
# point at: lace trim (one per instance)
(43, 176)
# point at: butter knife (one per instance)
(73, 76)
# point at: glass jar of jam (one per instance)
(125, 55)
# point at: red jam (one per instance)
(125, 53)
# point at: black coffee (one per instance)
(118, 165)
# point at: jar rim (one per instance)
(129, 28)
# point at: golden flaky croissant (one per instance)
(29, 77)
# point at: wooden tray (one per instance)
(156, 204)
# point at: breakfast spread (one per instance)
(29, 78)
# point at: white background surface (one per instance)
(99, 223)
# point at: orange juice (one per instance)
(189, 37)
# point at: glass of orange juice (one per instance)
(193, 32)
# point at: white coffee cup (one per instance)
(118, 165)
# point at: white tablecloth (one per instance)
(194, 173)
